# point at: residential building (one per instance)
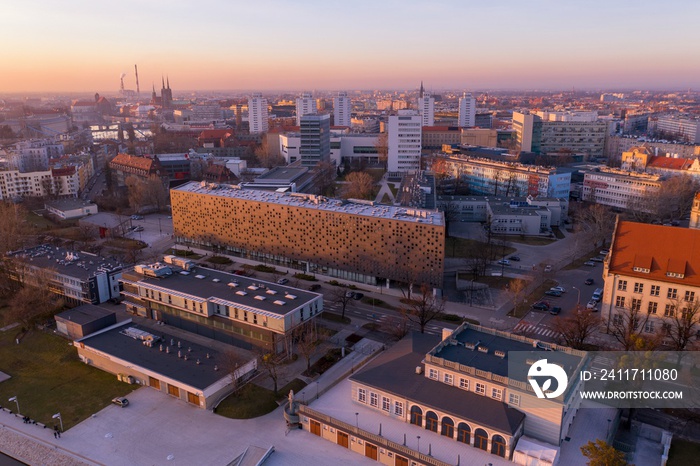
(404, 141)
(640, 159)
(342, 110)
(683, 129)
(461, 390)
(467, 111)
(549, 132)
(616, 145)
(34, 155)
(305, 105)
(353, 240)
(315, 142)
(77, 277)
(619, 189)
(655, 276)
(56, 182)
(426, 108)
(257, 113)
(124, 165)
(497, 178)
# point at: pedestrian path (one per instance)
(524, 327)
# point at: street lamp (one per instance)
(578, 298)
(60, 419)
(357, 420)
(14, 398)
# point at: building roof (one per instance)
(395, 371)
(141, 163)
(116, 343)
(310, 201)
(81, 264)
(68, 204)
(84, 314)
(669, 163)
(673, 251)
(104, 219)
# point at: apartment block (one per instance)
(404, 141)
(305, 105)
(549, 132)
(426, 108)
(257, 114)
(355, 240)
(342, 110)
(467, 111)
(618, 188)
(685, 129)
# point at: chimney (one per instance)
(446, 333)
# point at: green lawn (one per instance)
(47, 378)
(254, 401)
(683, 453)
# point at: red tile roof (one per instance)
(659, 249)
(141, 163)
(669, 163)
(441, 128)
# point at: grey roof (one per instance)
(281, 175)
(84, 314)
(68, 204)
(115, 343)
(395, 372)
(79, 264)
(207, 288)
(104, 219)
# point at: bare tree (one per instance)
(597, 222)
(230, 362)
(307, 342)
(577, 328)
(424, 308)
(450, 209)
(517, 288)
(382, 146)
(325, 181)
(265, 158)
(397, 326)
(359, 185)
(270, 364)
(682, 323)
(342, 297)
(32, 300)
(628, 324)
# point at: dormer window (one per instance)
(641, 270)
(675, 275)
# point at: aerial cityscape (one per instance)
(307, 234)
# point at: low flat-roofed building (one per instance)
(238, 310)
(83, 320)
(107, 224)
(70, 208)
(196, 373)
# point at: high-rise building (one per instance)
(550, 132)
(426, 108)
(404, 141)
(257, 114)
(305, 105)
(315, 146)
(342, 110)
(467, 111)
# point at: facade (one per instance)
(350, 148)
(685, 129)
(467, 111)
(77, 277)
(656, 277)
(242, 311)
(695, 212)
(305, 105)
(404, 141)
(70, 208)
(342, 110)
(34, 155)
(619, 189)
(58, 182)
(83, 320)
(257, 114)
(550, 132)
(426, 108)
(355, 240)
(480, 137)
(125, 165)
(490, 177)
(434, 137)
(315, 141)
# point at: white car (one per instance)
(560, 289)
(592, 305)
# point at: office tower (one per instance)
(315, 144)
(467, 111)
(404, 141)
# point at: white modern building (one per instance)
(404, 141)
(60, 182)
(426, 108)
(682, 128)
(619, 189)
(305, 105)
(345, 148)
(467, 111)
(342, 110)
(550, 132)
(257, 114)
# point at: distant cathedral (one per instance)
(166, 95)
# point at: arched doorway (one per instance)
(416, 416)
(431, 421)
(481, 439)
(448, 427)
(464, 433)
(498, 446)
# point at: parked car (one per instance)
(604, 252)
(558, 288)
(589, 281)
(138, 228)
(547, 268)
(358, 296)
(137, 217)
(592, 305)
(120, 401)
(541, 306)
(282, 281)
(597, 259)
(589, 263)
(555, 310)
(555, 293)
(504, 262)
(514, 258)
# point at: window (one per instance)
(622, 285)
(464, 384)
(398, 408)
(433, 374)
(386, 404)
(448, 378)
(690, 296)
(480, 388)
(670, 310)
(362, 395)
(620, 301)
(373, 399)
(514, 399)
(672, 293)
(636, 304)
(496, 393)
(639, 287)
(653, 307)
(655, 290)
(649, 327)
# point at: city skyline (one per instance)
(273, 45)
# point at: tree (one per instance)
(628, 325)
(600, 453)
(397, 326)
(33, 299)
(143, 192)
(307, 342)
(270, 364)
(325, 181)
(682, 323)
(517, 288)
(597, 222)
(382, 146)
(265, 158)
(424, 308)
(342, 297)
(6, 132)
(450, 209)
(359, 185)
(230, 362)
(576, 329)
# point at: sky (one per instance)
(84, 46)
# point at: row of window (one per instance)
(671, 293)
(479, 387)
(397, 408)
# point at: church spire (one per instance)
(421, 89)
